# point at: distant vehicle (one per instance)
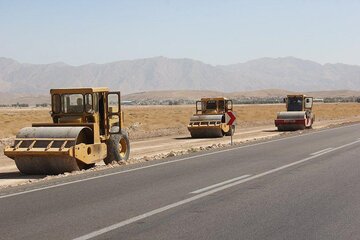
(209, 119)
(298, 114)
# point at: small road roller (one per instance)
(86, 128)
(298, 115)
(209, 120)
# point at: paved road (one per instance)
(10, 175)
(299, 187)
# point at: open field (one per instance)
(155, 121)
(261, 94)
(160, 131)
(150, 121)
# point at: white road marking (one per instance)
(321, 151)
(169, 162)
(219, 184)
(201, 195)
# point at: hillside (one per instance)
(160, 73)
(187, 95)
(267, 93)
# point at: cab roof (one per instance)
(79, 90)
(296, 95)
(216, 99)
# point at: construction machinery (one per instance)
(298, 115)
(86, 128)
(209, 120)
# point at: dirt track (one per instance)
(160, 147)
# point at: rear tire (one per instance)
(118, 147)
(281, 129)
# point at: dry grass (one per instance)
(11, 120)
(148, 121)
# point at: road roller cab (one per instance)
(86, 128)
(298, 115)
(209, 119)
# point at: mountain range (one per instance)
(151, 97)
(160, 73)
(265, 94)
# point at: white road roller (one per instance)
(298, 115)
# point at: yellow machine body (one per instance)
(82, 119)
(209, 119)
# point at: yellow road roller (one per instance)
(86, 128)
(298, 115)
(209, 120)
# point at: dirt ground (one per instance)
(160, 131)
(152, 121)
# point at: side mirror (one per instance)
(308, 103)
(113, 112)
(198, 106)
(113, 103)
(229, 105)
(284, 100)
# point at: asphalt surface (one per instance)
(299, 187)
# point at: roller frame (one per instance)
(54, 150)
(207, 126)
(291, 121)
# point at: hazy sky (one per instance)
(215, 32)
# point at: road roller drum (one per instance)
(48, 150)
(209, 120)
